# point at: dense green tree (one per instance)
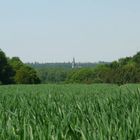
(14, 71)
(26, 75)
(102, 72)
(130, 73)
(85, 75)
(16, 63)
(136, 58)
(124, 61)
(6, 71)
(23, 73)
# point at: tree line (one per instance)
(125, 70)
(14, 71)
(122, 71)
(64, 65)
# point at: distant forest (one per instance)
(125, 70)
(122, 71)
(65, 65)
(59, 72)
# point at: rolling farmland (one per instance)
(70, 112)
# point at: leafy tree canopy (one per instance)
(14, 71)
(6, 71)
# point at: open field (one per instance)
(70, 112)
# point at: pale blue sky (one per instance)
(57, 30)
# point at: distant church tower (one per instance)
(73, 63)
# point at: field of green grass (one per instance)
(70, 112)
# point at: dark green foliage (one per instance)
(14, 71)
(6, 71)
(136, 58)
(82, 76)
(53, 75)
(125, 70)
(26, 75)
(16, 63)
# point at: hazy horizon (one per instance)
(57, 31)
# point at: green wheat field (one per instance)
(70, 112)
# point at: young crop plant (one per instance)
(70, 112)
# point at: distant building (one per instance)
(73, 63)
